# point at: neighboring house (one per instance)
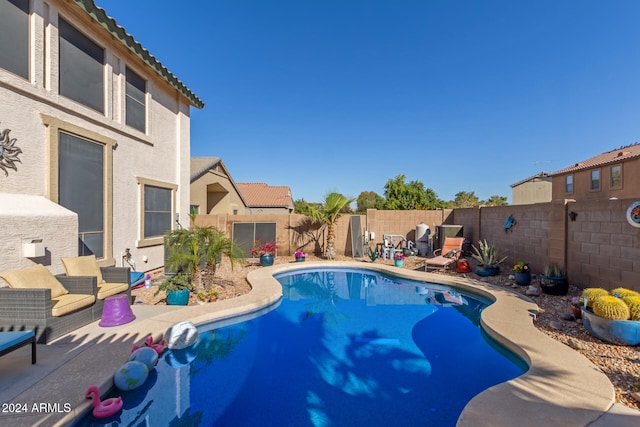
(535, 189)
(95, 139)
(213, 190)
(264, 199)
(614, 174)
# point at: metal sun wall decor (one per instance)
(8, 152)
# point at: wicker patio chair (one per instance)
(110, 280)
(32, 308)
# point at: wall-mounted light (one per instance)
(573, 215)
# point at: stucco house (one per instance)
(213, 191)
(95, 137)
(266, 199)
(534, 189)
(614, 174)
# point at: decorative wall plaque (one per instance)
(633, 214)
(8, 152)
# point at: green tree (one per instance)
(466, 199)
(327, 214)
(404, 196)
(369, 200)
(496, 201)
(300, 206)
(198, 250)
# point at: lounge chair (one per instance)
(110, 280)
(450, 253)
(37, 300)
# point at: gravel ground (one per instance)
(620, 363)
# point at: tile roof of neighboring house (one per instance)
(614, 156)
(259, 194)
(201, 165)
(109, 24)
(531, 178)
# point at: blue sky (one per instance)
(343, 95)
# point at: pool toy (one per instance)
(181, 335)
(146, 355)
(105, 408)
(148, 342)
(131, 375)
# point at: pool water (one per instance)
(345, 347)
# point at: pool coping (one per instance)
(561, 387)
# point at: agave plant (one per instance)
(486, 255)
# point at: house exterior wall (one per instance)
(214, 193)
(160, 155)
(582, 183)
(534, 191)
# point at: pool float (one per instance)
(131, 375)
(107, 407)
(146, 355)
(181, 335)
(148, 342)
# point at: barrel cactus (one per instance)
(611, 307)
(633, 302)
(591, 294)
(624, 292)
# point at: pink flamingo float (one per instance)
(107, 407)
(148, 342)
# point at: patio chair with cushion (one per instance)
(110, 280)
(35, 299)
(450, 253)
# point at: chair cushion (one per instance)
(71, 302)
(107, 289)
(83, 266)
(36, 276)
(451, 253)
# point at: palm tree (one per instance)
(199, 250)
(328, 213)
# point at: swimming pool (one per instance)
(345, 347)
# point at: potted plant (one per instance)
(554, 280)
(615, 317)
(398, 259)
(265, 250)
(300, 256)
(576, 306)
(177, 288)
(488, 261)
(522, 273)
(372, 253)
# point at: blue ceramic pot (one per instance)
(266, 260)
(300, 259)
(554, 285)
(399, 262)
(621, 332)
(178, 297)
(523, 279)
(487, 271)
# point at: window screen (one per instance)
(81, 189)
(135, 105)
(81, 67)
(14, 36)
(157, 211)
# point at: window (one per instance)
(616, 176)
(81, 67)
(194, 210)
(80, 177)
(81, 189)
(136, 101)
(595, 180)
(569, 184)
(157, 210)
(14, 36)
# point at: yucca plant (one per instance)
(486, 255)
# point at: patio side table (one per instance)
(13, 340)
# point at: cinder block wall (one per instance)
(599, 248)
